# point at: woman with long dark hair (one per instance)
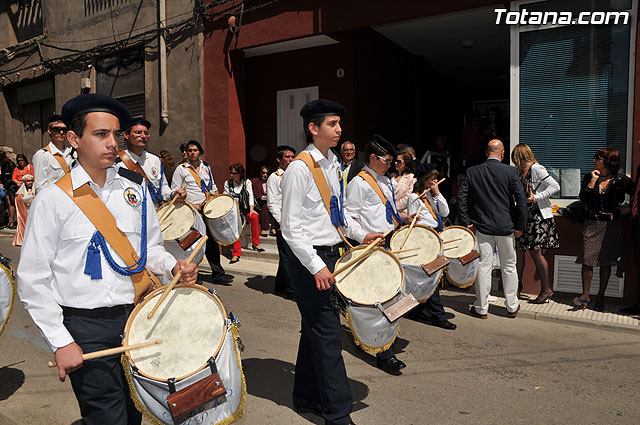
(6, 182)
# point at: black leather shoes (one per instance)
(444, 324)
(391, 365)
(304, 407)
(224, 280)
(474, 313)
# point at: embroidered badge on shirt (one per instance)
(132, 196)
(154, 172)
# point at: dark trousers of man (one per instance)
(320, 375)
(283, 276)
(435, 308)
(636, 254)
(100, 385)
(212, 252)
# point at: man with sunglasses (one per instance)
(54, 160)
(136, 158)
(367, 217)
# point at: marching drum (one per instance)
(7, 291)
(195, 375)
(223, 219)
(182, 227)
(422, 259)
(461, 249)
(365, 290)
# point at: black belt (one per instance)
(98, 313)
(603, 216)
(333, 248)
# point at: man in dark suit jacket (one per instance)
(635, 222)
(494, 188)
(350, 164)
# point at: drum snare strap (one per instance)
(435, 265)
(466, 259)
(191, 238)
(398, 309)
(190, 398)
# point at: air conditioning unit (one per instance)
(567, 277)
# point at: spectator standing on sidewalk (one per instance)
(494, 187)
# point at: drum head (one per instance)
(376, 279)
(218, 206)
(424, 243)
(191, 324)
(177, 222)
(458, 248)
(7, 295)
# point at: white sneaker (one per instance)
(491, 298)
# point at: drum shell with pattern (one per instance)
(223, 218)
(7, 291)
(187, 345)
(377, 279)
(423, 246)
(460, 275)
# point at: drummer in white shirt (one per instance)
(434, 210)
(136, 158)
(79, 300)
(368, 218)
(284, 157)
(49, 162)
(198, 190)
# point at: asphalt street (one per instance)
(495, 371)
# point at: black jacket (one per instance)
(356, 167)
(499, 206)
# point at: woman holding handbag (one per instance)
(540, 232)
(240, 188)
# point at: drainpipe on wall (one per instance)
(162, 63)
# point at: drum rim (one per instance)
(422, 226)
(457, 226)
(204, 206)
(378, 248)
(151, 296)
(193, 222)
(12, 284)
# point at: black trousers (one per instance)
(283, 276)
(320, 375)
(212, 252)
(434, 306)
(100, 385)
(636, 253)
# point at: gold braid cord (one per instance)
(12, 280)
(365, 347)
(461, 285)
(234, 417)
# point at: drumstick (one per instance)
(363, 254)
(404, 250)
(413, 223)
(110, 351)
(176, 278)
(166, 210)
(450, 247)
(428, 189)
(452, 240)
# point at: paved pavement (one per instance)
(496, 371)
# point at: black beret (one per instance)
(384, 144)
(283, 148)
(138, 121)
(425, 169)
(321, 107)
(55, 118)
(86, 103)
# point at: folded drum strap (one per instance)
(376, 187)
(59, 158)
(133, 166)
(96, 211)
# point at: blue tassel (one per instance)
(336, 218)
(92, 266)
(389, 211)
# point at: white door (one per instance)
(290, 131)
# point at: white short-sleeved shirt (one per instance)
(46, 168)
(182, 175)
(152, 167)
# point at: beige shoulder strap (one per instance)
(376, 187)
(96, 211)
(60, 159)
(195, 175)
(133, 166)
(318, 177)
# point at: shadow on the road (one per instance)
(279, 375)
(350, 347)
(263, 284)
(11, 379)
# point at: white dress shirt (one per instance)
(152, 167)
(305, 220)
(274, 194)
(182, 175)
(46, 168)
(54, 251)
(426, 217)
(365, 212)
(238, 188)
